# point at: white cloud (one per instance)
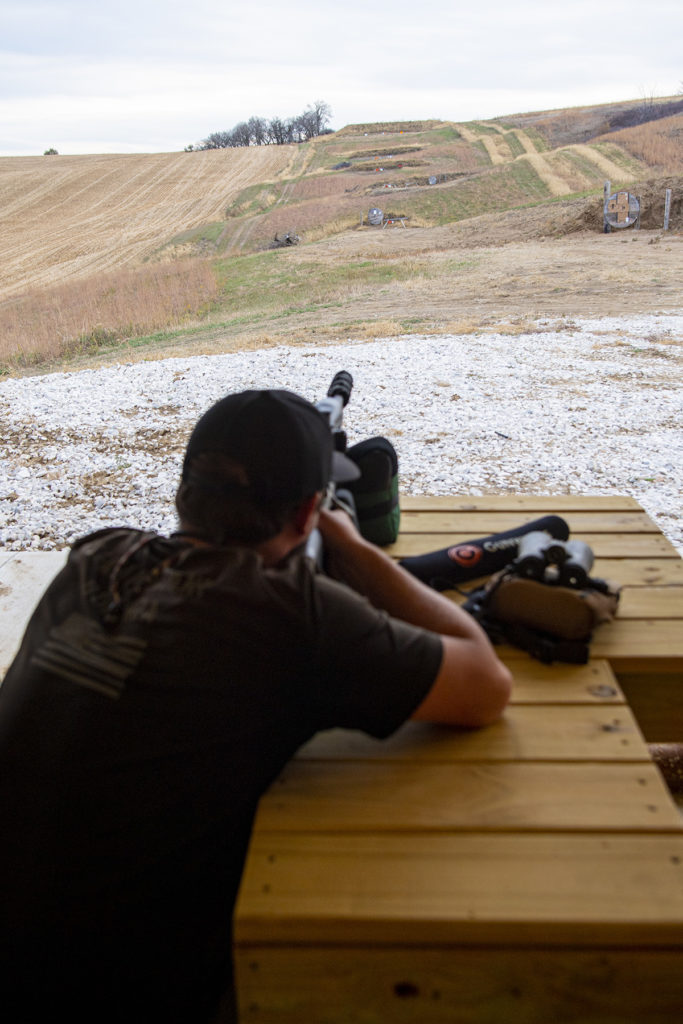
(158, 74)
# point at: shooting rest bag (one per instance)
(376, 492)
(549, 621)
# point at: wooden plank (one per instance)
(640, 571)
(652, 603)
(580, 732)
(428, 889)
(478, 524)
(457, 985)
(541, 503)
(378, 796)
(535, 683)
(651, 641)
(604, 545)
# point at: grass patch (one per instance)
(515, 146)
(505, 187)
(388, 128)
(481, 128)
(270, 283)
(449, 133)
(254, 200)
(539, 142)
(195, 236)
(525, 178)
(381, 154)
(485, 156)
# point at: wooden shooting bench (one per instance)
(530, 872)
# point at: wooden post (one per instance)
(605, 196)
(667, 209)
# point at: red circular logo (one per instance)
(465, 554)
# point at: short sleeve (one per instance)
(369, 671)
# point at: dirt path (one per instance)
(525, 141)
(557, 185)
(493, 149)
(611, 170)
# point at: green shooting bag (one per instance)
(376, 492)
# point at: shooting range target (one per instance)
(622, 210)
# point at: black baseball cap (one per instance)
(283, 443)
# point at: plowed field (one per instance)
(73, 216)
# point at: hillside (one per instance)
(85, 231)
(65, 217)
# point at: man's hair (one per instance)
(215, 500)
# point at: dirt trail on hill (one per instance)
(525, 140)
(491, 146)
(608, 167)
(557, 185)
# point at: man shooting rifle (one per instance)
(161, 686)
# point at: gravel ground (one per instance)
(573, 407)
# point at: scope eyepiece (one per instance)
(532, 556)
(577, 567)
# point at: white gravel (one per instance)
(573, 407)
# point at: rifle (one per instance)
(332, 407)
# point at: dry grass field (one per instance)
(498, 219)
(657, 144)
(67, 217)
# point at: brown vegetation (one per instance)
(659, 144)
(320, 186)
(45, 324)
(578, 124)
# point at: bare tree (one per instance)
(321, 113)
(240, 134)
(258, 131)
(276, 132)
(216, 140)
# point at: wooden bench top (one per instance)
(508, 873)
(530, 872)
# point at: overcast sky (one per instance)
(156, 75)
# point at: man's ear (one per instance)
(304, 517)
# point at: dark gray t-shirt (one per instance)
(160, 688)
